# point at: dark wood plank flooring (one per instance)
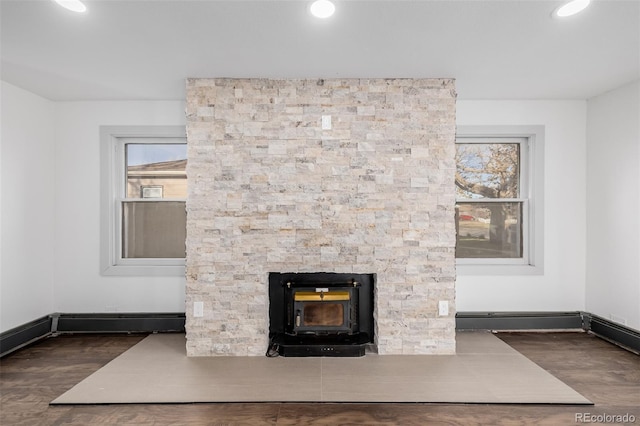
(33, 376)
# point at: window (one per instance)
(498, 200)
(489, 206)
(143, 200)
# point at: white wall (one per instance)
(562, 286)
(27, 188)
(79, 287)
(613, 205)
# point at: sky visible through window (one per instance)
(138, 154)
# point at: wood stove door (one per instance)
(322, 312)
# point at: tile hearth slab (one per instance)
(485, 370)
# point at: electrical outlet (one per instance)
(443, 308)
(198, 309)
(326, 122)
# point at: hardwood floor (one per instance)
(33, 376)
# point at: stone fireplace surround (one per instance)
(273, 190)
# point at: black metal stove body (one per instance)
(320, 314)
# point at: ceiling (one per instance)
(503, 49)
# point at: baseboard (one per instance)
(55, 324)
(120, 323)
(618, 334)
(18, 337)
(519, 320)
(615, 333)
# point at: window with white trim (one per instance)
(498, 200)
(144, 194)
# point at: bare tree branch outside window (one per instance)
(487, 173)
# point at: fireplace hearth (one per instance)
(320, 314)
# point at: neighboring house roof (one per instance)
(165, 165)
(165, 168)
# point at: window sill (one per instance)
(145, 271)
(496, 269)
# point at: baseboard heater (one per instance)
(21, 336)
(119, 323)
(519, 320)
(55, 324)
(615, 333)
(58, 323)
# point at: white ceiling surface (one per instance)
(504, 49)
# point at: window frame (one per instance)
(531, 139)
(113, 180)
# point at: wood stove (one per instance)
(320, 314)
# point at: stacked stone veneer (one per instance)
(271, 191)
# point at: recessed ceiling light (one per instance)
(322, 8)
(571, 8)
(72, 5)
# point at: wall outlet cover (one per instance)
(443, 308)
(326, 122)
(198, 309)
